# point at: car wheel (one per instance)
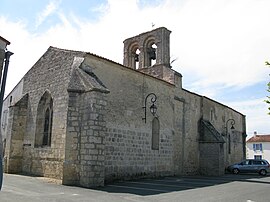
(235, 171)
(263, 172)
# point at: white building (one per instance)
(258, 147)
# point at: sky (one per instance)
(219, 46)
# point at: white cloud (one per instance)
(49, 10)
(25, 46)
(256, 115)
(224, 42)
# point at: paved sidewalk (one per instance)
(36, 189)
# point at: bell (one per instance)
(152, 53)
(136, 57)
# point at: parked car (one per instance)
(250, 166)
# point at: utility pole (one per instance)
(4, 58)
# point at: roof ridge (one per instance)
(63, 49)
(85, 52)
(259, 138)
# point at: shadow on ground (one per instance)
(146, 187)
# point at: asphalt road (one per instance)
(232, 188)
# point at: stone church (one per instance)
(87, 120)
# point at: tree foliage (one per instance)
(268, 101)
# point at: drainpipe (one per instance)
(244, 136)
(3, 86)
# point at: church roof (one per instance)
(259, 138)
(73, 52)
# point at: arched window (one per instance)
(44, 121)
(152, 54)
(150, 48)
(47, 128)
(134, 53)
(212, 113)
(155, 134)
(136, 59)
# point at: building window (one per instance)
(155, 134)
(259, 157)
(47, 127)
(257, 147)
(211, 115)
(44, 121)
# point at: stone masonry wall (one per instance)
(128, 139)
(218, 114)
(92, 145)
(16, 131)
(211, 159)
(84, 158)
(51, 73)
(71, 167)
(192, 114)
(128, 154)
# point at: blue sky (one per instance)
(220, 46)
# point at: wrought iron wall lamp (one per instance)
(232, 125)
(153, 107)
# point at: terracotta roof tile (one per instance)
(259, 138)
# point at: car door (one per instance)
(244, 166)
(256, 165)
(253, 167)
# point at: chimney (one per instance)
(255, 133)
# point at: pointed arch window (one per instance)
(155, 134)
(47, 131)
(44, 121)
